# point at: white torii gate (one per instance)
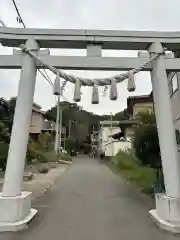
(15, 205)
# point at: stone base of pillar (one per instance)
(15, 212)
(167, 213)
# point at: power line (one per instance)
(19, 18)
(46, 78)
(45, 75)
(3, 24)
(1, 21)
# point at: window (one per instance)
(173, 84)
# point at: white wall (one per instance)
(113, 148)
(106, 131)
(109, 145)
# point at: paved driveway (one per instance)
(91, 203)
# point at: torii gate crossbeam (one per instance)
(88, 63)
(75, 38)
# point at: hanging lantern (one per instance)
(131, 83)
(77, 91)
(56, 87)
(113, 90)
(95, 95)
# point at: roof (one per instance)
(37, 108)
(121, 123)
(113, 123)
(36, 105)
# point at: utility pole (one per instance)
(57, 92)
(92, 143)
(112, 147)
(56, 145)
(65, 139)
(69, 132)
(60, 128)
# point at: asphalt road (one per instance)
(89, 202)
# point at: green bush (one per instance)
(124, 161)
(34, 152)
(50, 156)
(71, 144)
(31, 155)
(130, 169)
(37, 151)
(53, 157)
(45, 141)
(44, 157)
(146, 145)
(42, 152)
(62, 156)
(4, 133)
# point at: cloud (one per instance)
(158, 15)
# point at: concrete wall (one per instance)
(106, 131)
(108, 144)
(114, 147)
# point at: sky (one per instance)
(154, 15)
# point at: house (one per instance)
(138, 104)
(145, 103)
(39, 123)
(115, 135)
(37, 119)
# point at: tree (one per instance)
(146, 142)
(4, 145)
(146, 146)
(120, 116)
(4, 133)
(78, 121)
(6, 120)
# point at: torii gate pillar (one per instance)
(167, 212)
(15, 206)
